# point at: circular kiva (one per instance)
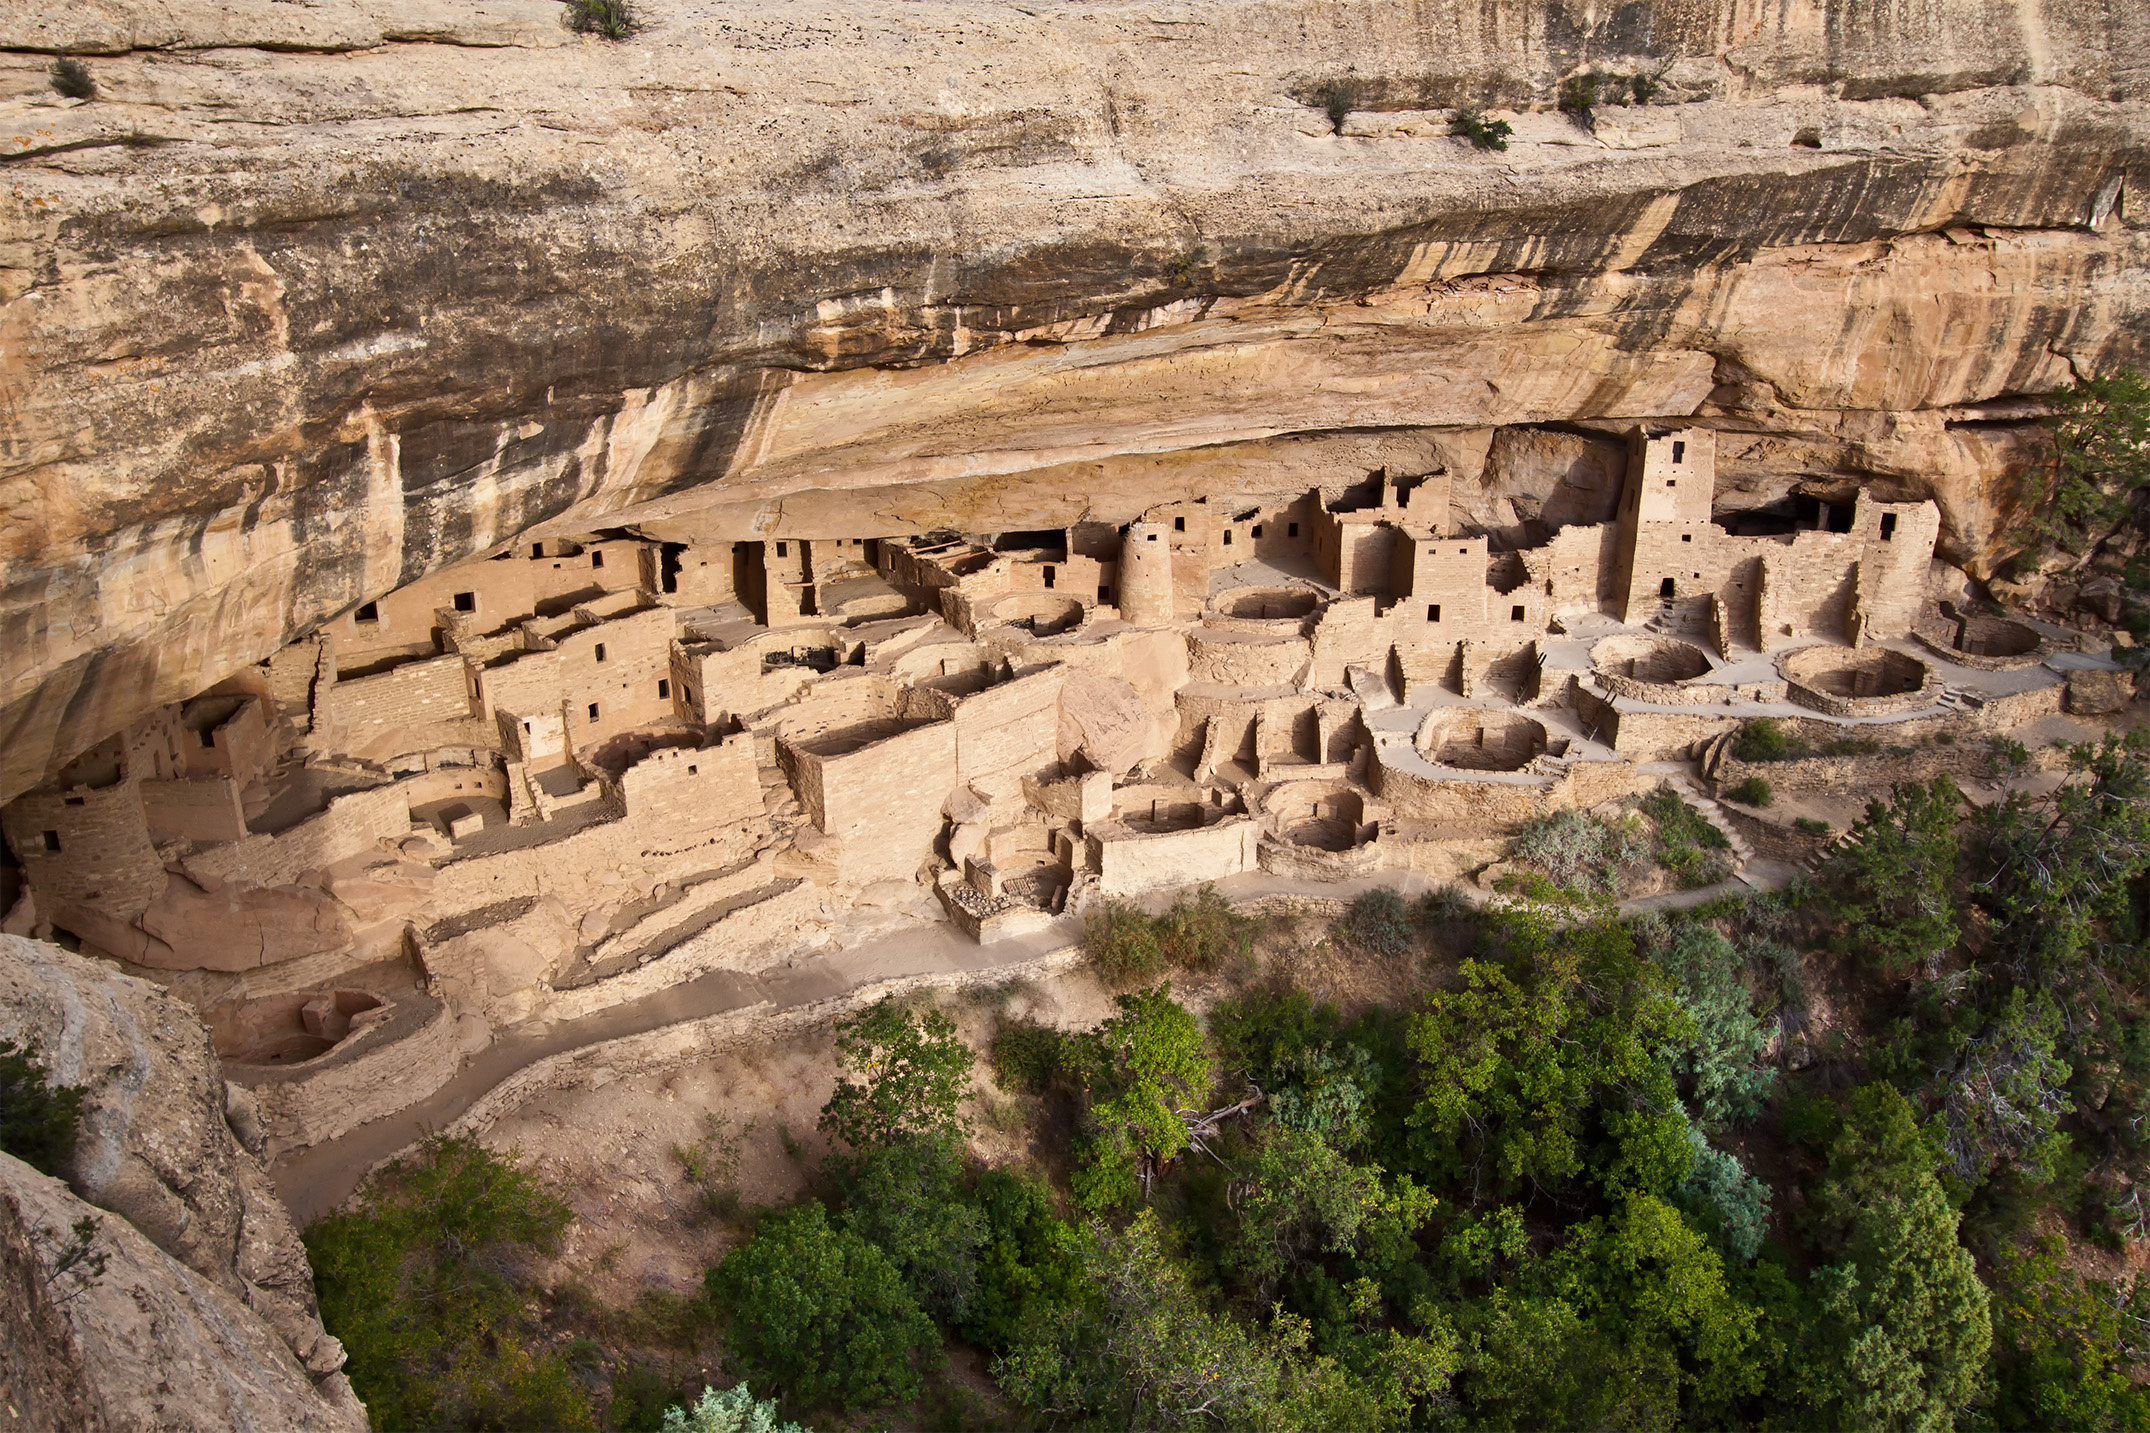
(1474, 739)
(1858, 682)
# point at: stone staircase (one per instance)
(1715, 815)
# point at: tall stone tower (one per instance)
(1146, 574)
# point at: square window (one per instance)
(664, 688)
(208, 739)
(1153, 537)
(370, 612)
(1257, 530)
(593, 711)
(1433, 612)
(537, 549)
(1687, 537)
(694, 771)
(1672, 482)
(1515, 614)
(1104, 592)
(1179, 524)
(466, 601)
(783, 549)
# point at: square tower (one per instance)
(1665, 527)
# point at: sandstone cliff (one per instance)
(203, 1316)
(310, 300)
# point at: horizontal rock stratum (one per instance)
(309, 301)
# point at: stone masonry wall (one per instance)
(352, 823)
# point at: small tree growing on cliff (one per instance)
(38, 1121)
(606, 19)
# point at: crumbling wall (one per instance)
(352, 823)
(394, 708)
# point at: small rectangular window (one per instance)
(1679, 451)
(1291, 529)
(593, 711)
(1227, 537)
(1672, 482)
(466, 601)
(1153, 537)
(664, 688)
(208, 739)
(1179, 524)
(1048, 578)
(1515, 614)
(537, 549)
(600, 651)
(52, 843)
(597, 559)
(1888, 527)
(1433, 612)
(1665, 588)
(370, 612)
(1687, 537)
(694, 771)
(1104, 592)
(77, 801)
(1257, 531)
(783, 549)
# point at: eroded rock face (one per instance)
(310, 301)
(158, 1148)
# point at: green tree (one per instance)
(1029, 1268)
(1137, 1072)
(904, 1199)
(1723, 1059)
(2002, 1098)
(2065, 1346)
(1892, 885)
(2056, 868)
(2101, 458)
(915, 1072)
(420, 1280)
(39, 1121)
(1293, 1195)
(821, 1314)
(1903, 1324)
(1565, 1021)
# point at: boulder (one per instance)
(2099, 692)
(1103, 721)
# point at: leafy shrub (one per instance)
(1029, 1272)
(1726, 1202)
(1579, 95)
(821, 1314)
(1645, 85)
(423, 1283)
(1025, 1055)
(917, 1072)
(1326, 1091)
(1754, 791)
(1137, 1071)
(39, 1123)
(1578, 852)
(1687, 845)
(1256, 1031)
(71, 78)
(1721, 1057)
(2008, 757)
(1857, 746)
(1379, 923)
(1812, 826)
(1763, 740)
(1483, 133)
(606, 19)
(1201, 932)
(732, 1410)
(711, 1165)
(903, 1199)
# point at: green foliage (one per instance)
(1645, 86)
(2101, 458)
(1483, 133)
(1337, 99)
(711, 1168)
(1722, 1057)
(70, 79)
(1513, 1063)
(1687, 845)
(1025, 1056)
(2001, 1098)
(1200, 932)
(1902, 1323)
(1724, 1200)
(1892, 884)
(1135, 1072)
(2007, 757)
(39, 1122)
(1811, 826)
(1579, 94)
(1294, 1194)
(2054, 868)
(606, 19)
(1327, 1092)
(1754, 791)
(1763, 740)
(419, 1280)
(2065, 1347)
(731, 1410)
(821, 1315)
(1029, 1267)
(903, 1199)
(916, 1071)
(1379, 923)
(1579, 852)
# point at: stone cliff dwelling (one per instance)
(582, 770)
